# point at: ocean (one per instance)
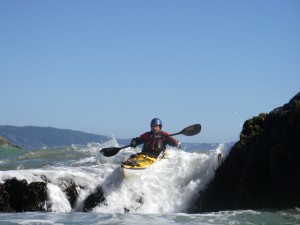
(162, 195)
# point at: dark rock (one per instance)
(93, 200)
(71, 193)
(4, 200)
(3, 141)
(262, 169)
(19, 196)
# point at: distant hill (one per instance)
(31, 137)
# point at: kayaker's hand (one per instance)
(133, 143)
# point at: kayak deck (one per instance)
(139, 161)
(135, 164)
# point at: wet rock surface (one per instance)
(19, 196)
(262, 170)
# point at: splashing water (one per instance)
(169, 186)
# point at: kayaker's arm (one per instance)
(138, 140)
(170, 140)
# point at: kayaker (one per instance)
(155, 141)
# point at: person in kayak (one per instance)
(155, 141)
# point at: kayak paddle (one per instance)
(188, 131)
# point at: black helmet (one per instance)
(156, 121)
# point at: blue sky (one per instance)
(109, 67)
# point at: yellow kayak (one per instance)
(136, 164)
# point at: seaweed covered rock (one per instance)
(93, 200)
(71, 193)
(19, 196)
(262, 169)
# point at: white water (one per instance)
(170, 186)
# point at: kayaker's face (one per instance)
(155, 128)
